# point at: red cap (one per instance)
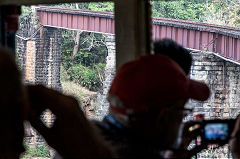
(150, 82)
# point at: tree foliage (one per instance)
(95, 6)
(101, 6)
(223, 12)
(192, 10)
(87, 66)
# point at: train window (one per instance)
(70, 48)
(208, 30)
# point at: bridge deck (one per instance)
(102, 22)
(222, 40)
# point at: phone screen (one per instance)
(216, 131)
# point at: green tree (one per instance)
(101, 6)
(193, 10)
(223, 12)
(86, 67)
(95, 6)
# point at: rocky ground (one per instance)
(85, 97)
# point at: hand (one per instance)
(187, 137)
(234, 143)
(72, 135)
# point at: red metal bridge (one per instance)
(225, 41)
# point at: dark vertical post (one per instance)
(2, 27)
(8, 25)
(133, 29)
(10, 36)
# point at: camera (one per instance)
(216, 131)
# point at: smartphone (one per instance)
(217, 131)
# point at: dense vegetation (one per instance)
(193, 10)
(86, 66)
(224, 12)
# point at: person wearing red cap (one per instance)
(147, 99)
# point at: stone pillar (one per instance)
(102, 103)
(49, 58)
(41, 57)
(222, 78)
(43, 60)
(50, 63)
(55, 60)
(30, 61)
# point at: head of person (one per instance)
(149, 94)
(11, 106)
(175, 51)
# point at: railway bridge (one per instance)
(222, 40)
(215, 48)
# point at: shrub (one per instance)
(86, 67)
(85, 76)
(39, 151)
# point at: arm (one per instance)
(72, 135)
(186, 138)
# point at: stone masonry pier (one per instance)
(223, 78)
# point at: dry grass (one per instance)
(74, 89)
